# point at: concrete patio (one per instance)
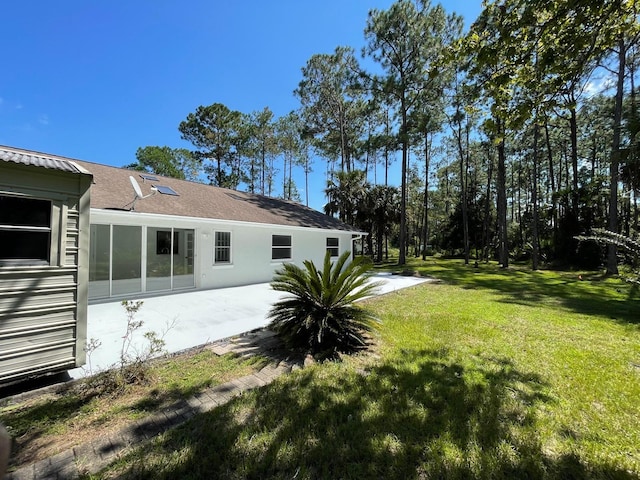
(192, 318)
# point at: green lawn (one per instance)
(487, 374)
(50, 423)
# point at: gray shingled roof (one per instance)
(111, 189)
(52, 162)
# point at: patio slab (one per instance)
(191, 319)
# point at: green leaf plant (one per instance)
(320, 316)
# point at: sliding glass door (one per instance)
(100, 261)
(183, 259)
(159, 256)
(126, 260)
(169, 259)
(121, 265)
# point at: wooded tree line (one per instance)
(235, 150)
(511, 139)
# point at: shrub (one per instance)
(133, 367)
(320, 317)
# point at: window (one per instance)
(333, 245)
(25, 231)
(280, 247)
(223, 247)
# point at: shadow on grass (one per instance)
(28, 425)
(94, 402)
(418, 415)
(587, 293)
(162, 397)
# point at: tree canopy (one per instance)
(512, 138)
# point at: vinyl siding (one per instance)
(43, 308)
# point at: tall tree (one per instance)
(216, 131)
(288, 133)
(408, 42)
(346, 192)
(261, 147)
(170, 162)
(306, 164)
(384, 201)
(331, 104)
(529, 55)
(460, 122)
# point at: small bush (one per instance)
(320, 317)
(133, 367)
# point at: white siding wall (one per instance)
(250, 245)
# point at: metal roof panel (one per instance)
(36, 159)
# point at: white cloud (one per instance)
(43, 119)
(600, 82)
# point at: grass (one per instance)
(48, 424)
(488, 374)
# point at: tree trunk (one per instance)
(464, 171)
(519, 204)
(487, 204)
(554, 208)
(403, 190)
(343, 143)
(636, 213)
(284, 176)
(306, 175)
(463, 189)
(386, 149)
(503, 244)
(289, 183)
(574, 156)
(612, 261)
(425, 226)
(379, 242)
(534, 200)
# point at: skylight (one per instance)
(165, 190)
(144, 176)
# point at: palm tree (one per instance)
(385, 213)
(320, 317)
(346, 192)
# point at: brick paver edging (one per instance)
(92, 456)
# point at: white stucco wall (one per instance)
(250, 245)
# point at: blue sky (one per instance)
(95, 80)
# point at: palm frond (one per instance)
(320, 316)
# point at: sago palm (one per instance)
(320, 316)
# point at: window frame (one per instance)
(278, 248)
(227, 248)
(48, 234)
(334, 249)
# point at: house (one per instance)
(44, 240)
(152, 235)
(176, 235)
